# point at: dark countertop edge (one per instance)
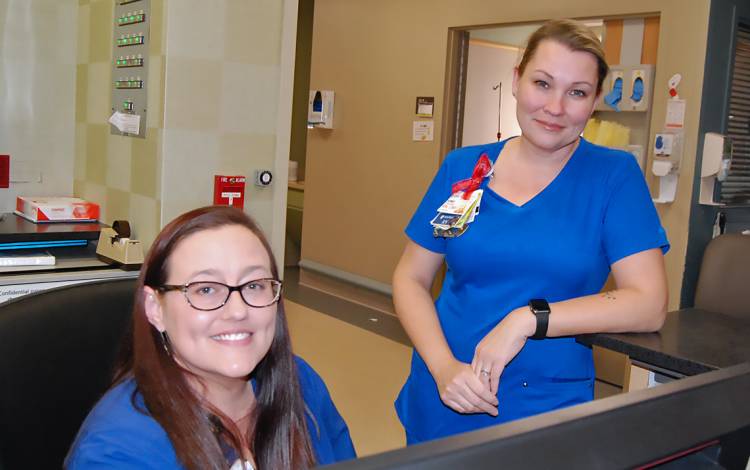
(15, 228)
(639, 353)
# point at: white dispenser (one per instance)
(320, 109)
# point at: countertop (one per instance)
(298, 185)
(692, 341)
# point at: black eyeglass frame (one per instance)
(184, 288)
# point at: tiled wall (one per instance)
(221, 100)
(37, 96)
(213, 95)
(122, 174)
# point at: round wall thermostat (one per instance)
(263, 177)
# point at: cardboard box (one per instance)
(56, 209)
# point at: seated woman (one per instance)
(208, 379)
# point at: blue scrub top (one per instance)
(117, 436)
(557, 246)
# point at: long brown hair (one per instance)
(278, 435)
(575, 36)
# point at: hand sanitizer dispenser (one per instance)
(666, 164)
(320, 109)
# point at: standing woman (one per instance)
(557, 215)
(209, 380)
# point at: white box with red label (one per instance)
(56, 209)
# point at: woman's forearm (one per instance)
(416, 311)
(615, 311)
(638, 304)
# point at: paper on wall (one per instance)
(423, 131)
(126, 123)
(675, 114)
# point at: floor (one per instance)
(352, 338)
(361, 353)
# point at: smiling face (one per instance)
(229, 342)
(555, 95)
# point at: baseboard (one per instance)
(347, 276)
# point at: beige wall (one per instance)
(365, 177)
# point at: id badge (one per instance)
(455, 214)
(461, 208)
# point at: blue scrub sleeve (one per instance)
(328, 430)
(341, 441)
(631, 223)
(419, 229)
(119, 449)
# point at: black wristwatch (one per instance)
(540, 309)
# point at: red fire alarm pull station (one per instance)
(229, 191)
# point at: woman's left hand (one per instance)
(501, 345)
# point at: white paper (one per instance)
(16, 290)
(423, 131)
(424, 110)
(675, 114)
(126, 123)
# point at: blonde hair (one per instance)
(572, 34)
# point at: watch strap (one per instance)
(540, 309)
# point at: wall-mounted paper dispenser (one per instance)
(717, 159)
(627, 88)
(320, 109)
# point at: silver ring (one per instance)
(485, 372)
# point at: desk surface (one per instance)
(14, 228)
(691, 341)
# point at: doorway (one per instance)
(298, 140)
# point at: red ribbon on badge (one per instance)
(469, 185)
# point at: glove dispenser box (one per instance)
(627, 88)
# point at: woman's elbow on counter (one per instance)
(659, 318)
(657, 313)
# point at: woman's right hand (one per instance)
(461, 390)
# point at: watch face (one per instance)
(539, 305)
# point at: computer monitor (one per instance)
(697, 422)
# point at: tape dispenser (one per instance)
(115, 246)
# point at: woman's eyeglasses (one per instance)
(208, 296)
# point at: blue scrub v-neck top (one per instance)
(557, 246)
